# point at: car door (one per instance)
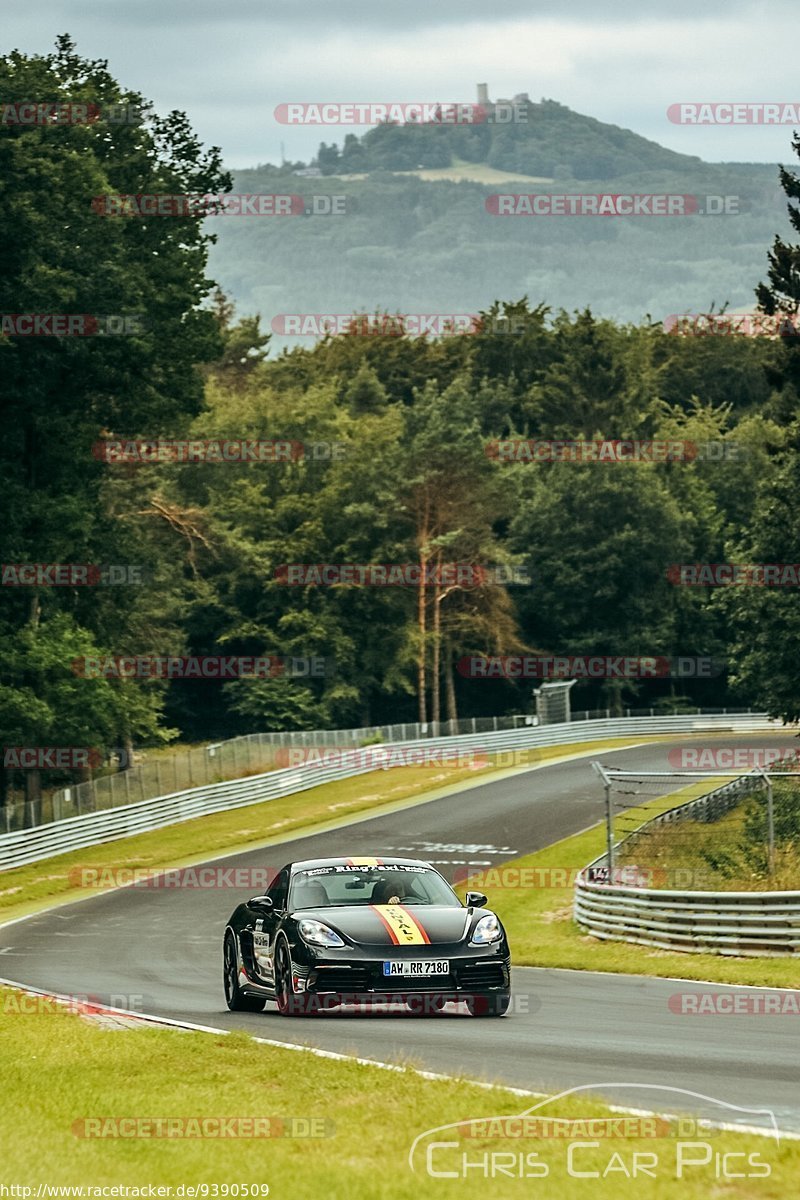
(266, 925)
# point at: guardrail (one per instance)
(217, 762)
(251, 754)
(743, 924)
(89, 829)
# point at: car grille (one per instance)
(372, 979)
(340, 979)
(482, 975)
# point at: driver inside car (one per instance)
(390, 891)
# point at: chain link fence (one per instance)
(253, 754)
(742, 835)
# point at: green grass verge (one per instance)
(28, 889)
(536, 909)
(61, 1069)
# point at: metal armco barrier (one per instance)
(743, 924)
(90, 829)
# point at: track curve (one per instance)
(566, 1028)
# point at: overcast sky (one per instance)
(228, 63)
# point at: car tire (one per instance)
(235, 998)
(289, 1003)
(494, 1005)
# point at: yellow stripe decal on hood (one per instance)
(404, 929)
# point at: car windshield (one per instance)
(330, 887)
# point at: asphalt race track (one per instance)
(161, 950)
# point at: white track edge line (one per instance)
(436, 1076)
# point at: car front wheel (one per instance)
(235, 998)
(289, 1004)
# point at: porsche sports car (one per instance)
(343, 931)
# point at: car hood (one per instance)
(395, 924)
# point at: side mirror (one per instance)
(475, 900)
(260, 903)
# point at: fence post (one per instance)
(770, 823)
(609, 818)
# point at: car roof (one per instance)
(359, 860)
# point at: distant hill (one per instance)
(411, 242)
(551, 141)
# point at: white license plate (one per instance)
(418, 967)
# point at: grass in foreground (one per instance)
(535, 905)
(61, 1069)
(28, 889)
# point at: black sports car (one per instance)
(359, 931)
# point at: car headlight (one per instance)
(487, 930)
(318, 934)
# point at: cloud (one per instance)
(623, 62)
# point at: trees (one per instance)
(62, 394)
(766, 620)
(597, 539)
(414, 485)
(453, 499)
